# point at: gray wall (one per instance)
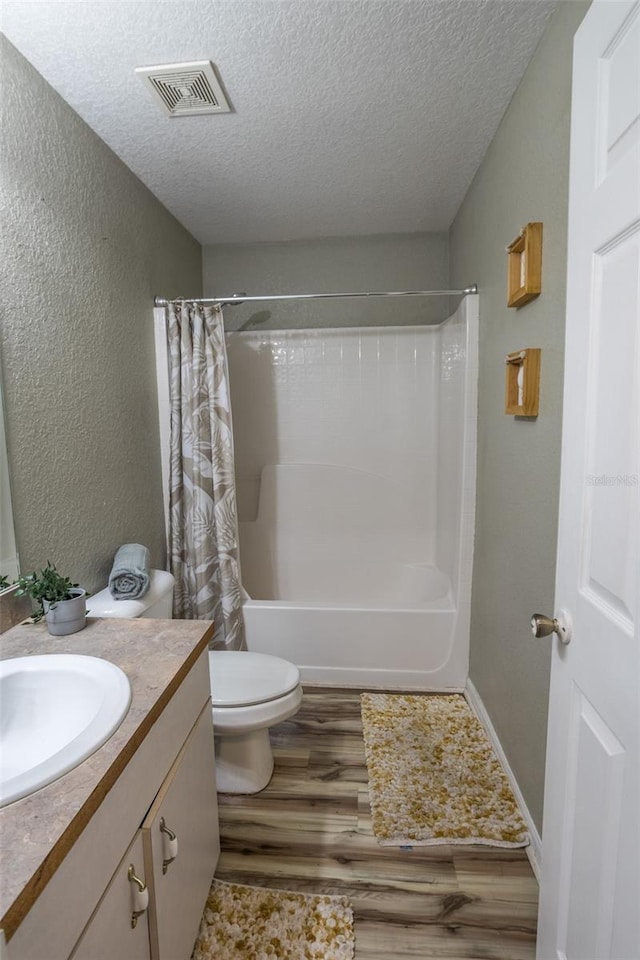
(523, 177)
(335, 264)
(84, 247)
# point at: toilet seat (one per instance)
(243, 679)
(238, 721)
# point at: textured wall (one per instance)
(523, 177)
(85, 246)
(414, 261)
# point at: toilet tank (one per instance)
(156, 603)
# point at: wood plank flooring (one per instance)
(310, 831)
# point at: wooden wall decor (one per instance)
(524, 266)
(522, 382)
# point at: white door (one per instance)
(590, 895)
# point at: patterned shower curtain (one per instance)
(203, 522)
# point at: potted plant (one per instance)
(63, 604)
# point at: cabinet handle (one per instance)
(140, 896)
(169, 845)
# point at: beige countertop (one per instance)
(38, 831)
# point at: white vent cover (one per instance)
(185, 89)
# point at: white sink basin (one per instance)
(55, 711)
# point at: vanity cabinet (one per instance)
(181, 843)
(172, 856)
(110, 933)
(161, 807)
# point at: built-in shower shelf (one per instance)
(522, 390)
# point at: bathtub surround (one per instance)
(523, 177)
(203, 522)
(456, 450)
(85, 246)
(346, 549)
(414, 261)
(360, 400)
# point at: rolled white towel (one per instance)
(129, 578)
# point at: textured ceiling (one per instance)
(350, 116)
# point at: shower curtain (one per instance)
(203, 522)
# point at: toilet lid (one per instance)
(239, 678)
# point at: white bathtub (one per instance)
(349, 601)
(362, 646)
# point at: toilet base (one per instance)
(244, 763)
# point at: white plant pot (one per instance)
(67, 616)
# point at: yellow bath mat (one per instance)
(433, 775)
(254, 923)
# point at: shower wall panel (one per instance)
(364, 399)
(457, 425)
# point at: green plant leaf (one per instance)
(49, 585)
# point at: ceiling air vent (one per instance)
(186, 89)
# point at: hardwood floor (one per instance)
(310, 831)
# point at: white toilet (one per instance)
(250, 692)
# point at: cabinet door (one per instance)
(186, 807)
(109, 933)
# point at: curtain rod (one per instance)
(237, 298)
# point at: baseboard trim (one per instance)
(534, 850)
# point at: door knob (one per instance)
(542, 626)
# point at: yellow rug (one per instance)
(253, 923)
(433, 775)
